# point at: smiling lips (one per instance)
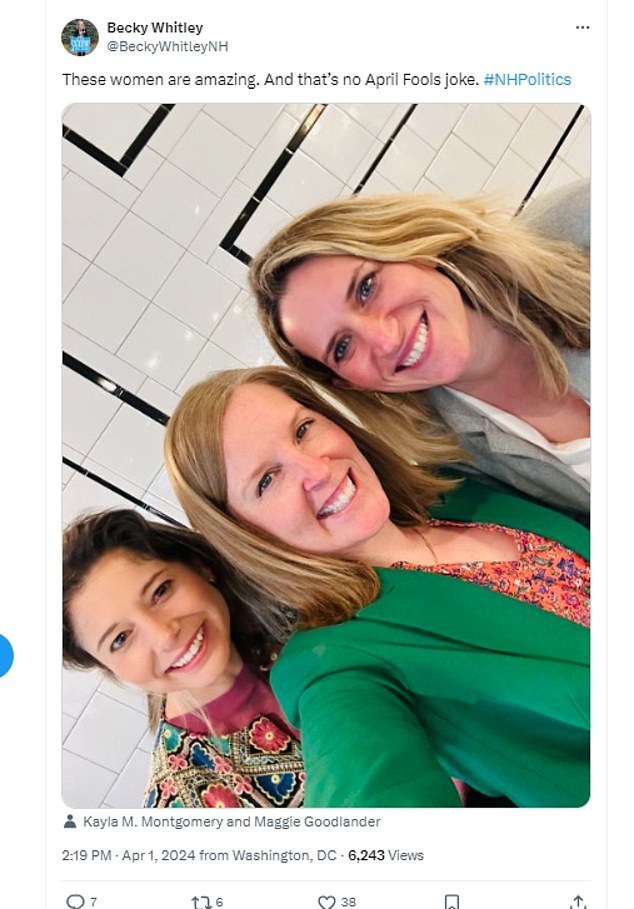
(341, 497)
(417, 349)
(192, 651)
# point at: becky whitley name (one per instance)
(156, 28)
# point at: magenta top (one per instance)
(249, 696)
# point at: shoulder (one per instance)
(563, 214)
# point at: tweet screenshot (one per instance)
(318, 281)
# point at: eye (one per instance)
(365, 288)
(119, 641)
(302, 429)
(264, 483)
(341, 349)
(162, 589)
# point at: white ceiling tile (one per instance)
(219, 221)
(88, 216)
(139, 255)
(197, 294)
(175, 204)
(337, 142)
(125, 694)
(102, 308)
(111, 127)
(518, 111)
(487, 129)
(131, 446)
(576, 150)
(164, 399)
(561, 114)
(231, 267)
(73, 267)
(303, 184)
(250, 122)
(211, 359)
(98, 175)
(172, 128)
(161, 346)
(406, 160)
(240, 334)
(372, 117)
(434, 122)
(82, 494)
(78, 686)
(105, 363)
(143, 168)
(536, 138)
(86, 411)
(128, 789)
(268, 151)
(512, 177)
(106, 733)
(457, 169)
(265, 222)
(210, 154)
(84, 783)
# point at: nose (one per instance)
(314, 470)
(379, 332)
(160, 631)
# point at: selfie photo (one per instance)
(326, 455)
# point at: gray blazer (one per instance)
(507, 459)
(497, 455)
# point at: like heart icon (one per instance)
(326, 902)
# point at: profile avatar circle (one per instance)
(80, 37)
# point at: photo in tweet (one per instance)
(165, 210)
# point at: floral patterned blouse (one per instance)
(258, 765)
(545, 573)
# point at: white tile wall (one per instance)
(154, 304)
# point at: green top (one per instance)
(442, 678)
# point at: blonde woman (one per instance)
(449, 312)
(442, 627)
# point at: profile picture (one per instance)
(80, 37)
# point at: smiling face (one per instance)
(299, 476)
(390, 327)
(157, 625)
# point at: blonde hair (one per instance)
(278, 577)
(535, 288)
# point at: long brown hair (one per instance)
(90, 537)
(323, 590)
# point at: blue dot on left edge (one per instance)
(6, 655)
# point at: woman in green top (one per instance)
(440, 626)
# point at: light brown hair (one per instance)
(322, 590)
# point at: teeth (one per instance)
(341, 501)
(193, 649)
(419, 346)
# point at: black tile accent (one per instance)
(120, 492)
(129, 156)
(385, 149)
(112, 388)
(551, 158)
(228, 241)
